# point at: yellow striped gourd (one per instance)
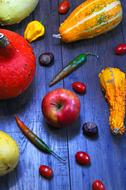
(90, 19)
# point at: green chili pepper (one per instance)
(34, 139)
(72, 66)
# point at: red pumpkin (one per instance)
(17, 65)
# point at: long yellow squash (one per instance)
(113, 83)
(90, 19)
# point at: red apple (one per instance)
(61, 107)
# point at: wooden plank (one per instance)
(28, 107)
(107, 152)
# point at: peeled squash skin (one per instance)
(113, 83)
(14, 11)
(90, 19)
(9, 153)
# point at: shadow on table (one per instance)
(10, 179)
(63, 133)
(16, 105)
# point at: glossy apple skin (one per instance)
(61, 107)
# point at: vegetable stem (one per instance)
(91, 54)
(3, 41)
(57, 36)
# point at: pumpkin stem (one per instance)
(3, 41)
(57, 36)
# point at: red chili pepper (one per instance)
(98, 185)
(34, 139)
(79, 87)
(120, 49)
(83, 158)
(46, 171)
(64, 7)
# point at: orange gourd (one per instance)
(113, 83)
(90, 19)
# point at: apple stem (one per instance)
(3, 41)
(58, 157)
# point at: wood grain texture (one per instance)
(107, 153)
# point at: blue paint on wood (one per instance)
(107, 152)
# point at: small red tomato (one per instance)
(79, 87)
(64, 7)
(98, 185)
(45, 171)
(120, 49)
(82, 158)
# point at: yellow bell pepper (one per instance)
(34, 30)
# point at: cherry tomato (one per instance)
(64, 7)
(120, 49)
(98, 185)
(45, 171)
(79, 87)
(82, 158)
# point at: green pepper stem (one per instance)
(58, 157)
(92, 55)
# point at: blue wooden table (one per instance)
(108, 153)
